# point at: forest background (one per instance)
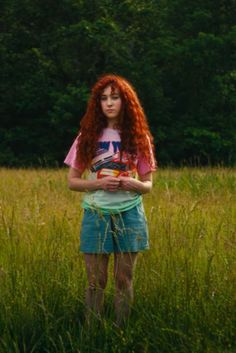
(179, 54)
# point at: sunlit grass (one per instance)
(185, 286)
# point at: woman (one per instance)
(115, 145)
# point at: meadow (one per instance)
(185, 285)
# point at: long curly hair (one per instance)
(133, 126)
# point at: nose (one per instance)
(109, 101)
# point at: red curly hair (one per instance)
(134, 130)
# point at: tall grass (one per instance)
(185, 285)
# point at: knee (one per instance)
(98, 283)
(123, 281)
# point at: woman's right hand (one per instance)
(109, 183)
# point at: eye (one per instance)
(103, 98)
(115, 97)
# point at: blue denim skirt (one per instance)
(108, 233)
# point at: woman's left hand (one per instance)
(131, 184)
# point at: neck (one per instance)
(112, 125)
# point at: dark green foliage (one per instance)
(180, 56)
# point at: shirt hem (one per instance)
(104, 210)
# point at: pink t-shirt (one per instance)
(109, 144)
(107, 162)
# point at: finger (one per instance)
(115, 182)
(113, 185)
(112, 189)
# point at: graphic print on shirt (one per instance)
(108, 161)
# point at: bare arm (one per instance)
(76, 183)
(143, 185)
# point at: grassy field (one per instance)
(185, 286)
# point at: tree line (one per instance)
(179, 54)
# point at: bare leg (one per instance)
(96, 268)
(123, 272)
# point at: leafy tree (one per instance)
(179, 54)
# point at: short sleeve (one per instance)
(144, 166)
(71, 159)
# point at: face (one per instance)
(111, 105)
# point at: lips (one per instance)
(110, 110)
